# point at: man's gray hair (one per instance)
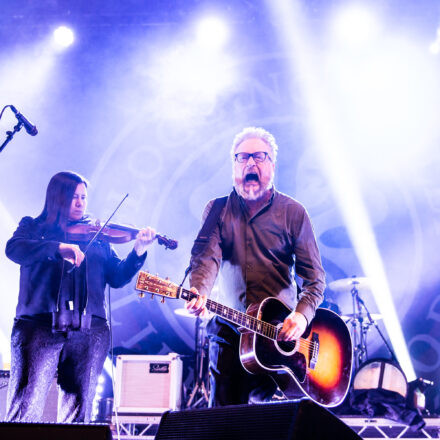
(255, 133)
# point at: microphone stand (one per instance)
(10, 135)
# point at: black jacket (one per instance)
(35, 248)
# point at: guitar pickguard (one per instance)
(269, 355)
(278, 354)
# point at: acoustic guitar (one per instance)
(317, 365)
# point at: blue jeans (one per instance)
(38, 354)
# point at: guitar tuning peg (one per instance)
(162, 300)
(141, 295)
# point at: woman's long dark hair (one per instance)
(59, 197)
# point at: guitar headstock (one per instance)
(146, 282)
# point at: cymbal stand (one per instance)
(199, 391)
(359, 328)
(360, 334)
(371, 321)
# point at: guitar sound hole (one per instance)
(286, 346)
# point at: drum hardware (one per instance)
(345, 285)
(360, 322)
(361, 319)
(349, 316)
(200, 389)
(182, 311)
(198, 396)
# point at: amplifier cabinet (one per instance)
(148, 384)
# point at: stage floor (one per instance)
(144, 426)
(380, 428)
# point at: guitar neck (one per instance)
(147, 282)
(242, 319)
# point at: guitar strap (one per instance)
(208, 226)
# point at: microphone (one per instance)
(30, 128)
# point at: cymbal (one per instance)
(346, 284)
(183, 312)
(364, 316)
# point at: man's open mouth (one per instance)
(251, 177)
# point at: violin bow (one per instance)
(104, 225)
(92, 240)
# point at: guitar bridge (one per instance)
(314, 351)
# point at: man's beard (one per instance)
(252, 192)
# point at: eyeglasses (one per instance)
(259, 156)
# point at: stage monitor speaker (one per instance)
(54, 431)
(50, 409)
(148, 384)
(304, 420)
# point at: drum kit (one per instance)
(375, 373)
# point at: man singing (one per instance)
(261, 237)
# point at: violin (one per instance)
(112, 233)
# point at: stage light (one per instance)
(189, 79)
(212, 33)
(434, 47)
(98, 396)
(355, 26)
(63, 37)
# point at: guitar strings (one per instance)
(266, 329)
(245, 319)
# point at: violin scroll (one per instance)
(167, 242)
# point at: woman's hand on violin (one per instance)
(72, 253)
(144, 237)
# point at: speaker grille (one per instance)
(281, 421)
(148, 383)
(141, 388)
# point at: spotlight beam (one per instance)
(341, 176)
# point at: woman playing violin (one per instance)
(60, 326)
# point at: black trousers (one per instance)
(230, 383)
(37, 355)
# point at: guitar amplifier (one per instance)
(148, 384)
